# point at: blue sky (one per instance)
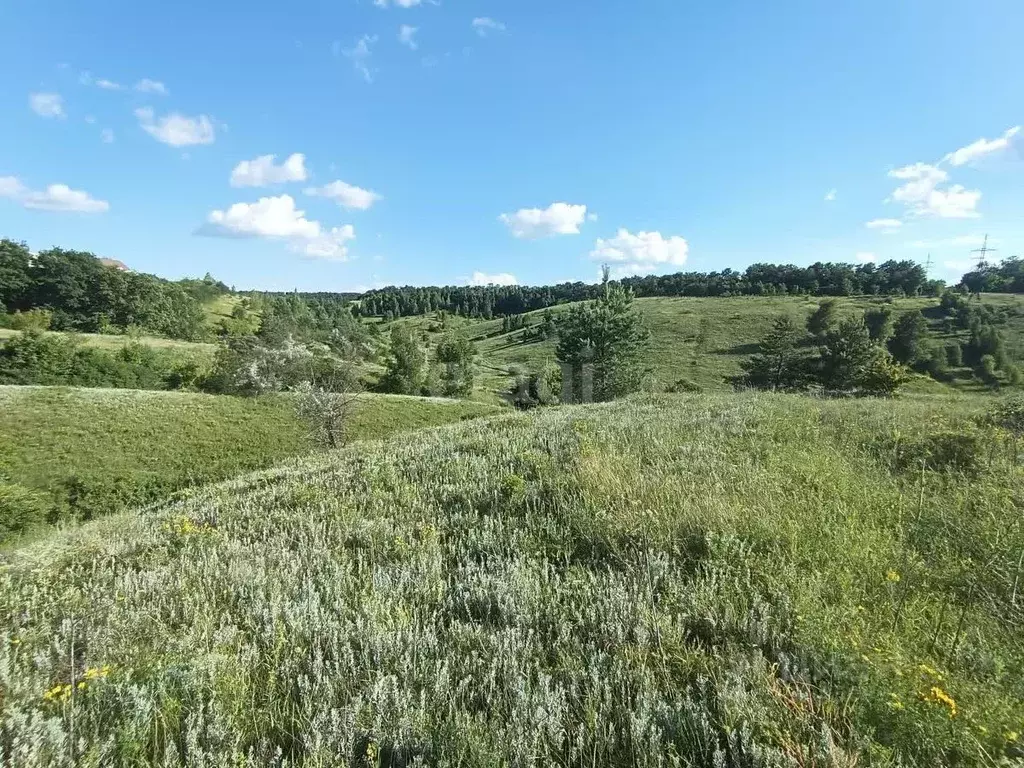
(459, 140)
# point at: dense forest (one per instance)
(81, 293)
(893, 278)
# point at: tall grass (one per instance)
(740, 580)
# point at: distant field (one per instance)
(705, 580)
(92, 451)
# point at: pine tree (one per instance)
(607, 335)
(905, 344)
(777, 365)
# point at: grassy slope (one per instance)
(104, 448)
(702, 580)
(703, 340)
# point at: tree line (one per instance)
(892, 278)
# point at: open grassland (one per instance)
(175, 350)
(92, 451)
(704, 340)
(737, 580)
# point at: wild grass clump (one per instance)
(678, 581)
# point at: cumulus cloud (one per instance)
(56, 197)
(885, 225)
(397, 3)
(47, 105)
(175, 129)
(277, 218)
(107, 136)
(108, 85)
(831, 195)
(262, 172)
(331, 245)
(556, 219)
(268, 217)
(981, 148)
(485, 25)
(360, 55)
(501, 278)
(642, 253)
(865, 258)
(407, 36)
(145, 85)
(346, 195)
(923, 196)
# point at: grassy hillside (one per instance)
(704, 340)
(173, 349)
(92, 451)
(702, 580)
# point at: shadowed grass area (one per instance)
(730, 580)
(93, 451)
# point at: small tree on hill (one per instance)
(454, 355)
(327, 406)
(606, 339)
(823, 319)
(778, 364)
(906, 342)
(404, 371)
(852, 362)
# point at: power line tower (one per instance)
(928, 267)
(983, 252)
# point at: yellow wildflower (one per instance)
(892, 575)
(938, 696)
(1011, 735)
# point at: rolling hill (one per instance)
(678, 580)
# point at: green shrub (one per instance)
(21, 509)
(31, 320)
(684, 385)
(961, 451)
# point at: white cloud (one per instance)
(346, 195)
(556, 219)
(831, 195)
(11, 188)
(145, 85)
(398, 3)
(107, 136)
(592, 217)
(923, 197)
(980, 148)
(268, 217)
(90, 119)
(47, 104)
(176, 129)
(888, 226)
(865, 258)
(262, 172)
(963, 241)
(277, 218)
(360, 56)
(56, 197)
(485, 25)
(501, 278)
(407, 36)
(108, 85)
(642, 253)
(331, 245)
